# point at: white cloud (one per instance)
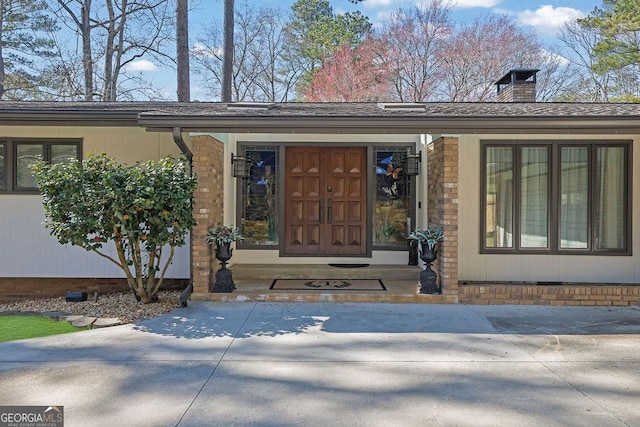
(376, 3)
(557, 57)
(548, 18)
(467, 4)
(202, 50)
(141, 66)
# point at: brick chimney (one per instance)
(517, 85)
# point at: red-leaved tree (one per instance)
(357, 74)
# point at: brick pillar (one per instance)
(442, 178)
(208, 165)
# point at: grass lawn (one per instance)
(21, 327)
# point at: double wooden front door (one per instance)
(325, 201)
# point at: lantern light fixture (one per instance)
(240, 166)
(413, 164)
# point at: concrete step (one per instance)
(242, 295)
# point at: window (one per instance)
(3, 166)
(392, 198)
(259, 196)
(17, 157)
(556, 197)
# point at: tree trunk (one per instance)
(227, 70)
(109, 53)
(182, 48)
(87, 60)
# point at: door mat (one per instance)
(349, 265)
(328, 285)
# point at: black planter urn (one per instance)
(428, 278)
(224, 277)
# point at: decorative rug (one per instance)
(328, 285)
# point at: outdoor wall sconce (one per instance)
(240, 166)
(413, 164)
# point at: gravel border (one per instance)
(121, 305)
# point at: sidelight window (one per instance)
(392, 198)
(259, 196)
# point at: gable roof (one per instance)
(334, 117)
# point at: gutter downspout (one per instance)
(177, 138)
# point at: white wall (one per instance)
(511, 267)
(27, 249)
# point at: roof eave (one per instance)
(69, 118)
(396, 125)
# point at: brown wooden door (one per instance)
(325, 201)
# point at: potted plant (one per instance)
(428, 238)
(222, 236)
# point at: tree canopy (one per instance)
(24, 38)
(618, 22)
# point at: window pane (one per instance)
(62, 153)
(260, 197)
(499, 198)
(26, 156)
(609, 198)
(392, 199)
(534, 196)
(574, 197)
(3, 168)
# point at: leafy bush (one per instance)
(142, 208)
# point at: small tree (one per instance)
(352, 75)
(143, 208)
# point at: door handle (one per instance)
(321, 212)
(329, 211)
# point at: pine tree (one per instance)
(24, 26)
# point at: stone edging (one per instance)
(78, 321)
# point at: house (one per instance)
(536, 199)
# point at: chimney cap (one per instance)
(518, 75)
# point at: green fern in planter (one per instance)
(431, 235)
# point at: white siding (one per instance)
(27, 249)
(474, 266)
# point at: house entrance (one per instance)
(326, 201)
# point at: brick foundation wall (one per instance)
(442, 207)
(43, 287)
(570, 294)
(208, 204)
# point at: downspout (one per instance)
(177, 138)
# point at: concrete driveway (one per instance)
(288, 364)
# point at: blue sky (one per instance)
(542, 17)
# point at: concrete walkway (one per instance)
(287, 364)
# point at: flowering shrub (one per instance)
(142, 208)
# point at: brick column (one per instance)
(208, 165)
(442, 178)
